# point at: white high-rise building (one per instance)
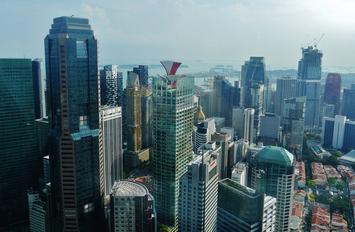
(198, 194)
(249, 125)
(338, 131)
(240, 173)
(111, 125)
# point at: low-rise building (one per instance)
(300, 173)
(331, 172)
(320, 218)
(339, 224)
(318, 174)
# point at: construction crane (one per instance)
(317, 42)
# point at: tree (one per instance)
(311, 197)
(332, 181)
(340, 185)
(311, 184)
(164, 228)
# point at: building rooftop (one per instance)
(127, 188)
(275, 155)
(348, 157)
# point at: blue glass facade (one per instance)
(328, 133)
(349, 103)
(349, 135)
(142, 72)
(19, 158)
(72, 85)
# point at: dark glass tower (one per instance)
(142, 72)
(19, 159)
(332, 91)
(111, 86)
(37, 87)
(349, 102)
(72, 84)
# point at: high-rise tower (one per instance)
(332, 91)
(308, 85)
(76, 150)
(272, 173)
(111, 83)
(285, 88)
(172, 130)
(253, 82)
(19, 157)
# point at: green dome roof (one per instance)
(275, 155)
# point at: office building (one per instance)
(272, 173)
(132, 208)
(38, 90)
(38, 211)
(147, 114)
(253, 80)
(42, 127)
(142, 72)
(75, 138)
(19, 160)
(111, 126)
(309, 75)
(214, 149)
(293, 124)
(46, 169)
(206, 101)
(226, 146)
(198, 194)
(348, 104)
(223, 98)
(203, 132)
(243, 209)
(285, 88)
(172, 130)
(248, 128)
(238, 122)
(111, 86)
(240, 173)
(332, 91)
(269, 128)
(338, 133)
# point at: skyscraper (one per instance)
(37, 88)
(269, 128)
(142, 72)
(285, 88)
(248, 134)
(243, 209)
(309, 75)
(293, 124)
(19, 157)
(332, 91)
(76, 149)
(223, 98)
(202, 134)
(172, 130)
(272, 173)
(111, 125)
(111, 86)
(147, 114)
(198, 194)
(132, 208)
(253, 80)
(133, 110)
(348, 108)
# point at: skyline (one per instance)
(151, 30)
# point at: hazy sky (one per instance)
(214, 31)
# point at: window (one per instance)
(81, 49)
(83, 120)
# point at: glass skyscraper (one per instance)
(75, 141)
(172, 148)
(19, 158)
(111, 83)
(142, 72)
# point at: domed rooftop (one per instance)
(275, 155)
(199, 115)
